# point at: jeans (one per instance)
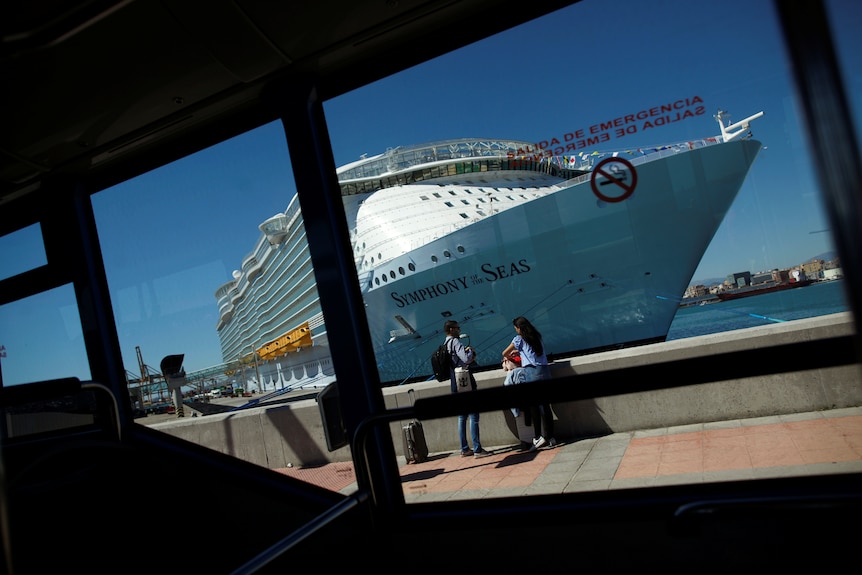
(540, 414)
(474, 431)
(537, 372)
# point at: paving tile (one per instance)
(773, 446)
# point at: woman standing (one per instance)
(463, 357)
(528, 343)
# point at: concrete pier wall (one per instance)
(293, 432)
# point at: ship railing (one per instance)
(405, 157)
(638, 156)
(388, 171)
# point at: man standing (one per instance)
(463, 357)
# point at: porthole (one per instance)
(401, 270)
(434, 259)
(385, 278)
(447, 254)
(411, 267)
(460, 249)
(392, 274)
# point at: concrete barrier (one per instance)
(292, 433)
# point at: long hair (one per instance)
(530, 334)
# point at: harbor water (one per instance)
(822, 298)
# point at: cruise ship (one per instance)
(595, 248)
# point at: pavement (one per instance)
(814, 443)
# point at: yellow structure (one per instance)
(293, 340)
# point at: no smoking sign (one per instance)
(614, 179)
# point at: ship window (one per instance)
(482, 200)
(424, 198)
(385, 278)
(465, 216)
(379, 256)
(452, 192)
(465, 202)
(401, 270)
(434, 259)
(411, 267)
(448, 204)
(392, 274)
(436, 195)
(447, 254)
(460, 249)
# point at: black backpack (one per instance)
(441, 363)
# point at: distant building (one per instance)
(737, 280)
(763, 277)
(779, 276)
(833, 274)
(696, 291)
(813, 269)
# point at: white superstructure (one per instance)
(595, 248)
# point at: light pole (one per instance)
(256, 368)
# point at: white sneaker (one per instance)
(537, 443)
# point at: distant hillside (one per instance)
(707, 281)
(827, 256)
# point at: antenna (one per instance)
(726, 131)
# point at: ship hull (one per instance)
(726, 296)
(589, 274)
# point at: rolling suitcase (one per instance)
(415, 447)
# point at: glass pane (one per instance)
(215, 300)
(21, 251)
(599, 180)
(41, 338)
(773, 230)
(846, 21)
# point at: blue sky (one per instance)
(172, 237)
